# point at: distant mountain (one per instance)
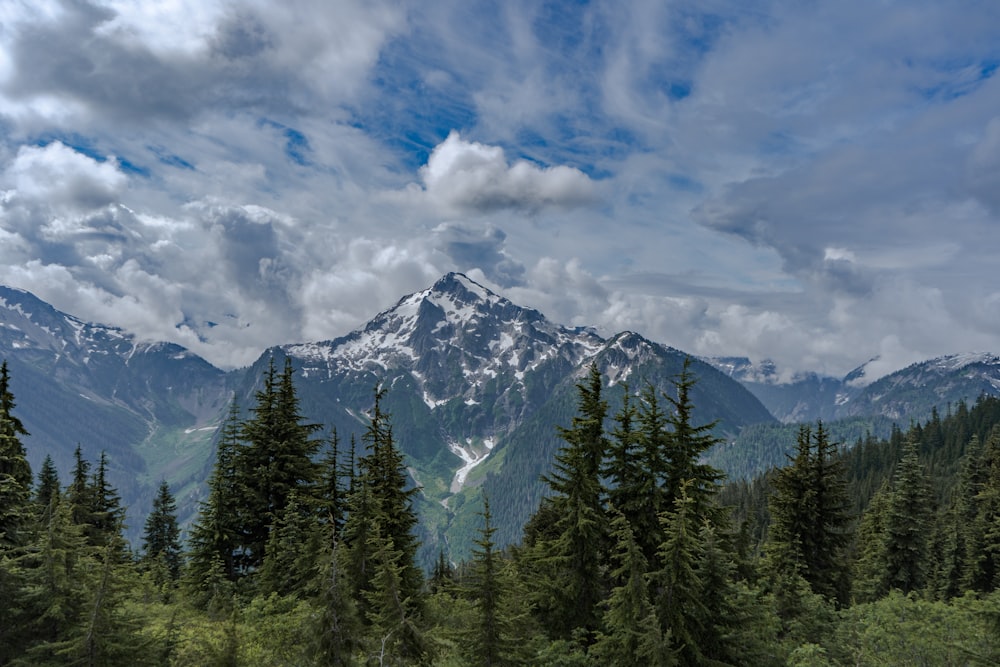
(153, 407)
(911, 393)
(902, 396)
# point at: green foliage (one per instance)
(161, 540)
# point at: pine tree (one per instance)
(395, 636)
(293, 551)
(632, 634)
(569, 564)
(338, 627)
(161, 538)
(637, 468)
(687, 445)
(332, 494)
(491, 643)
(275, 462)
(809, 516)
(678, 588)
(382, 499)
(48, 486)
(106, 514)
(56, 569)
(908, 523)
(79, 492)
(870, 575)
(15, 473)
(215, 534)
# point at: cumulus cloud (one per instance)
(466, 176)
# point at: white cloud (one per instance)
(464, 176)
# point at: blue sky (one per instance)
(814, 183)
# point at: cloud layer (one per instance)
(814, 184)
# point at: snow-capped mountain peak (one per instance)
(456, 323)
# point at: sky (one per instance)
(816, 183)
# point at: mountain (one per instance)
(905, 395)
(153, 407)
(477, 386)
(911, 393)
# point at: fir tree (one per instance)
(337, 626)
(632, 634)
(48, 486)
(570, 563)
(106, 514)
(275, 462)
(79, 493)
(687, 444)
(15, 473)
(809, 516)
(56, 569)
(161, 537)
(490, 642)
(214, 537)
(678, 588)
(908, 523)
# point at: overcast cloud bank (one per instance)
(813, 184)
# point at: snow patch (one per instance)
(470, 457)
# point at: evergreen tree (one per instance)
(56, 569)
(632, 634)
(908, 523)
(809, 516)
(870, 575)
(687, 443)
(79, 493)
(491, 643)
(395, 635)
(569, 564)
(106, 514)
(275, 462)
(161, 538)
(338, 627)
(677, 585)
(293, 547)
(214, 538)
(382, 499)
(332, 494)
(637, 468)
(48, 486)
(15, 473)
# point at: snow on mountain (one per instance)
(456, 323)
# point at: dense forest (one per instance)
(873, 552)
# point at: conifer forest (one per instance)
(874, 552)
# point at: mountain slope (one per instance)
(477, 386)
(152, 407)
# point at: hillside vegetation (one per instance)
(305, 549)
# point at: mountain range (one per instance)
(476, 388)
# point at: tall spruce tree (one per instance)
(161, 544)
(569, 560)
(809, 516)
(383, 499)
(212, 545)
(908, 523)
(492, 642)
(687, 443)
(15, 473)
(48, 486)
(632, 633)
(275, 462)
